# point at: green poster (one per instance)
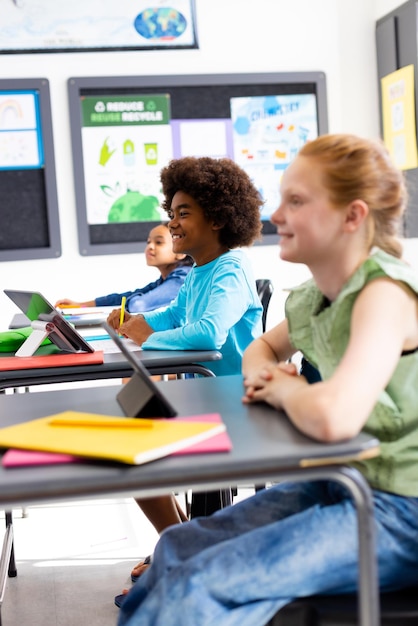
(125, 110)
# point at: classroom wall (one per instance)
(336, 37)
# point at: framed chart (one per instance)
(28, 188)
(96, 25)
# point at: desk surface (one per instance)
(264, 444)
(115, 365)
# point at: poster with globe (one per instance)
(126, 140)
(89, 25)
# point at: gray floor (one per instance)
(72, 559)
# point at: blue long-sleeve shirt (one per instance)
(217, 308)
(153, 296)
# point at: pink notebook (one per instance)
(217, 443)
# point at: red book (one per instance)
(51, 360)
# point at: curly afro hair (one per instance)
(223, 190)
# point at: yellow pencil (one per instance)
(102, 422)
(122, 310)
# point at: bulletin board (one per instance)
(124, 129)
(28, 193)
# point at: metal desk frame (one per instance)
(115, 365)
(266, 447)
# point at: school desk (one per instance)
(115, 365)
(266, 447)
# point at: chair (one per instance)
(397, 608)
(265, 291)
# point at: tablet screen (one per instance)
(37, 308)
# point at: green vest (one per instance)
(321, 334)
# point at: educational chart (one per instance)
(20, 141)
(398, 114)
(126, 140)
(120, 145)
(267, 133)
(49, 25)
(28, 189)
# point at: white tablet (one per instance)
(38, 309)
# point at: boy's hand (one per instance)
(113, 318)
(136, 328)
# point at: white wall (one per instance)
(336, 37)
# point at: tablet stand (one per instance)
(137, 399)
(42, 330)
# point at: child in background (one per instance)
(172, 267)
(213, 208)
(356, 320)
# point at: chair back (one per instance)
(265, 291)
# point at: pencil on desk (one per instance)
(102, 422)
(122, 310)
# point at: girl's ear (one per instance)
(356, 213)
(180, 257)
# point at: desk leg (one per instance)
(353, 480)
(368, 595)
(11, 562)
(7, 558)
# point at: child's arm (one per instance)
(72, 303)
(384, 322)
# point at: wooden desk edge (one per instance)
(341, 460)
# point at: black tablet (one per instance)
(38, 309)
(139, 397)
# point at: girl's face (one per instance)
(191, 231)
(310, 228)
(159, 249)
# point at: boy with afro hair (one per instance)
(213, 209)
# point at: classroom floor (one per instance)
(73, 558)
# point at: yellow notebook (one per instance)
(124, 439)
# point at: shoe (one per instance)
(146, 561)
(119, 599)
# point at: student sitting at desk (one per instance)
(342, 201)
(173, 270)
(213, 208)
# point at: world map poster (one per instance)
(52, 25)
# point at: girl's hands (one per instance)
(266, 384)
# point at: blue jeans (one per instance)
(239, 566)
